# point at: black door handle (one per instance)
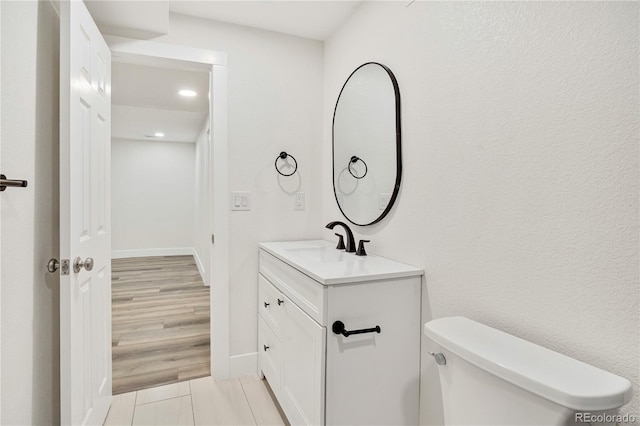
(338, 328)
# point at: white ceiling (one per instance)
(314, 19)
(140, 85)
(145, 100)
(136, 123)
(308, 18)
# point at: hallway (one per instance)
(160, 322)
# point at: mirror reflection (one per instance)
(366, 144)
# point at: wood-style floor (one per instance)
(160, 322)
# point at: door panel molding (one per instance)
(85, 294)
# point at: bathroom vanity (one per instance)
(311, 298)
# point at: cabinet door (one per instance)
(269, 355)
(303, 360)
(374, 378)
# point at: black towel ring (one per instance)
(355, 159)
(283, 155)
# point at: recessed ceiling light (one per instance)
(187, 93)
(158, 134)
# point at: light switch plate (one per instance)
(240, 200)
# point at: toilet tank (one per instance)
(493, 378)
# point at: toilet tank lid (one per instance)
(541, 371)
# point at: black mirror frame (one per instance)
(396, 187)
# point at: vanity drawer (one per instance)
(304, 291)
(270, 304)
(269, 354)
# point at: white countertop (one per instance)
(321, 261)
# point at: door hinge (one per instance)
(213, 239)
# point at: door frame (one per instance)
(216, 63)
(0, 226)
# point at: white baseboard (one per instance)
(240, 365)
(171, 251)
(200, 266)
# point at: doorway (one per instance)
(152, 53)
(160, 223)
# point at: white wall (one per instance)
(30, 301)
(202, 210)
(274, 104)
(153, 193)
(520, 147)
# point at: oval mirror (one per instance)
(367, 163)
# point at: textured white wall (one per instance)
(30, 301)
(274, 104)
(202, 211)
(152, 195)
(520, 186)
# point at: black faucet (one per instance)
(351, 243)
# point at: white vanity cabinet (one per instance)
(291, 355)
(320, 377)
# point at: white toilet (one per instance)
(489, 377)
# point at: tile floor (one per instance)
(242, 401)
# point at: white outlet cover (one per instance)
(383, 200)
(299, 201)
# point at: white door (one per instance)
(85, 218)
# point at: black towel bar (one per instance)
(338, 328)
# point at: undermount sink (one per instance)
(317, 253)
(321, 260)
(307, 250)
